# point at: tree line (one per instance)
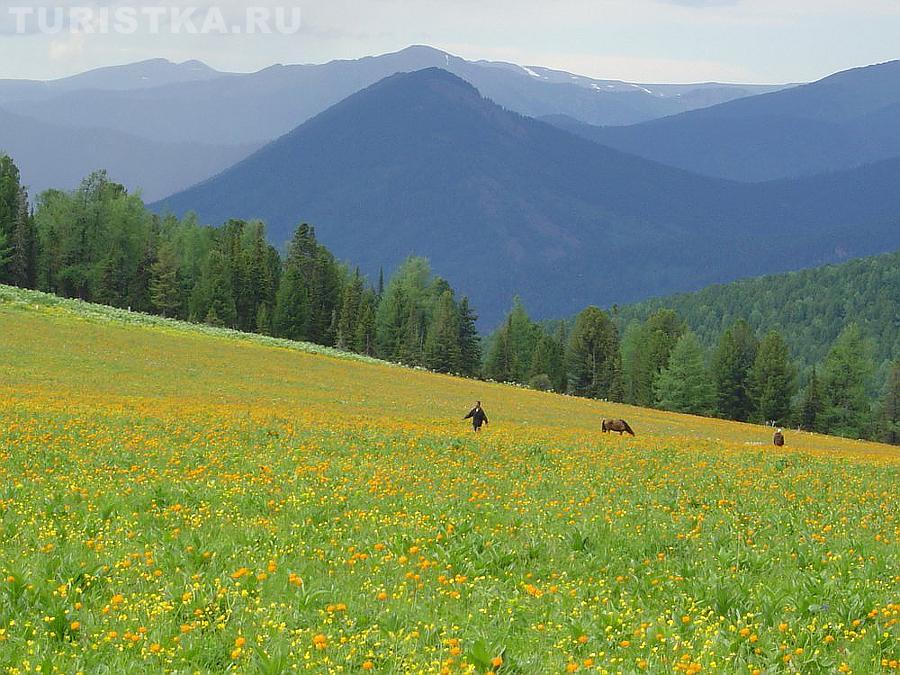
(661, 363)
(100, 244)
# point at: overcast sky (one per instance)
(638, 40)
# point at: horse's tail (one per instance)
(628, 429)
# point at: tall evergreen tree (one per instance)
(364, 336)
(684, 384)
(217, 296)
(442, 350)
(290, 318)
(731, 365)
(469, 341)
(500, 363)
(23, 261)
(350, 302)
(10, 192)
(889, 413)
(772, 380)
(165, 285)
(593, 357)
(412, 352)
(812, 404)
(404, 299)
(523, 335)
(657, 340)
(844, 380)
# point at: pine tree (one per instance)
(522, 335)
(291, 316)
(889, 414)
(657, 340)
(412, 342)
(364, 338)
(6, 256)
(593, 357)
(219, 293)
(442, 352)
(772, 380)
(844, 381)
(500, 363)
(812, 405)
(731, 365)
(631, 346)
(469, 341)
(350, 301)
(23, 260)
(165, 285)
(684, 384)
(10, 193)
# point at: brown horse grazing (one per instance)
(617, 425)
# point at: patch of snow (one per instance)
(532, 73)
(644, 89)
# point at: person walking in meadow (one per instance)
(477, 416)
(778, 439)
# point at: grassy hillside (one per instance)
(178, 498)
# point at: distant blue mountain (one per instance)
(841, 122)
(420, 163)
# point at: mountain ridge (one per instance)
(421, 163)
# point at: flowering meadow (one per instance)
(176, 499)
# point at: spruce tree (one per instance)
(657, 340)
(522, 335)
(500, 363)
(23, 260)
(411, 351)
(290, 318)
(684, 384)
(218, 290)
(165, 285)
(442, 352)
(364, 337)
(469, 341)
(593, 357)
(847, 369)
(731, 365)
(350, 301)
(889, 413)
(772, 380)
(812, 404)
(10, 192)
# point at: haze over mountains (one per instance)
(843, 121)
(175, 104)
(504, 204)
(421, 152)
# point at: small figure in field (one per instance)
(617, 425)
(477, 416)
(778, 439)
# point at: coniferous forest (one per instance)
(727, 351)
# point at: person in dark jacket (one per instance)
(477, 416)
(778, 439)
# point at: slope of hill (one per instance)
(843, 121)
(163, 482)
(201, 105)
(810, 307)
(51, 156)
(504, 205)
